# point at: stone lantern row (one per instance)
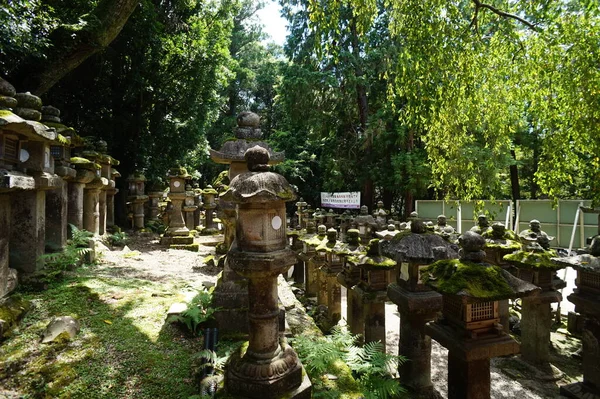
(457, 296)
(43, 188)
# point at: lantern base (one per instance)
(279, 377)
(579, 390)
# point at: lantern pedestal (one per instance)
(469, 360)
(267, 367)
(416, 310)
(536, 321)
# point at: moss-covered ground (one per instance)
(125, 349)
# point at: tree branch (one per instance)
(479, 4)
(71, 45)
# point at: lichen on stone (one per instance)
(462, 277)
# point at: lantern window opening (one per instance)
(591, 280)
(482, 311)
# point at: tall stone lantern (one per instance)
(209, 194)
(177, 178)
(469, 327)
(137, 198)
(269, 367)
(586, 299)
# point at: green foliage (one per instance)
(71, 255)
(156, 226)
(117, 239)
(369, 364)
(199, 311)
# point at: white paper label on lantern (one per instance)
(276, 223)
(176, 183)
(404, 271)
(47, 158)
(23, 155)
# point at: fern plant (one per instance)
(71, 255)
(199, 311)
(370, 366)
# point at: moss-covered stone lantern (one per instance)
(370, 293)
(365, 223)
(586, 298)
(312, 259)
(300, 206)
(177, 234)
(209, 194)
(329, 293)
(470, 327)
(137, 198)
(533, 264)
(267, 367)
(417, 304)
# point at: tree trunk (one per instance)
(536, 160)
(408, 197)
(514, 179)
(70, 47)
(363, 112)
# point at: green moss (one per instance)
(508, 245)
(478, 281)
(62, 139)
(4, 113)
(372, 262)
(209, 191)
(80, 161)
(534, 260)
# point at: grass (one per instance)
(124, 349)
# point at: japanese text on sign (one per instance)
(349, 200)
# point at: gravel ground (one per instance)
(144, 258)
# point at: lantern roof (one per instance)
(373, 258)
(407, 246)
(534, 260)
(258, 185)
(32, 130)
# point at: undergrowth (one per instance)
(369, 365)
(198, 311)
(71, 256)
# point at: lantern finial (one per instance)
(257, 159)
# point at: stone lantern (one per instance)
(329, 293)
(586, 298)
(177, 232)
(155, 196)
(26, 175)
(189, 208)
(365, 223)
(301, 204)
(370, 293)
(312, 259)
(470, 327)
(57, 199)
(349, 275)
(137, 197)
(533, 264)
(199, 205)
(330, 217)
(417, 303)
(209, 194)
(268, 367)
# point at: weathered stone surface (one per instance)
(63, 326)
(12, 310)
(6, 89)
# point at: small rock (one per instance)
(60, 325)
(177, 308)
